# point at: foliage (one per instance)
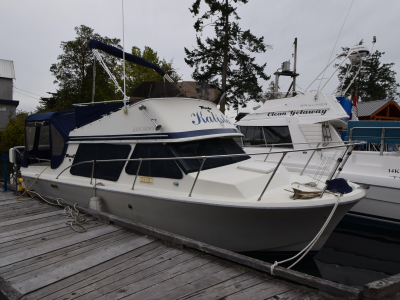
(375, 81)
(14, 133)
(136, 74)
(74, 72)
(224, 59)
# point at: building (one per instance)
(379, 110)
(7, 104)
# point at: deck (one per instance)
(43, 258)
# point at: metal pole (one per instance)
(344, 161)
(339, 160)
(137, 173)
(5, 157)
(201, 166)
(276, 86)
(94, 77)
(294, 65)
(309, 159)
(268, 153)
(91, 178)
(382, 141)
(272, 176)
(123, 53)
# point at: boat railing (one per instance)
(382, 137)
(340, 162)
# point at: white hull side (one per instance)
(238, 229)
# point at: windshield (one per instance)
(216, 146)
(184, 89)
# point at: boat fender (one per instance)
(95, 203)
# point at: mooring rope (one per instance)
(77, 219)
(311, 244)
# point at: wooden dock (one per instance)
(43, 258)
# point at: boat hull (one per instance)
(238, 229)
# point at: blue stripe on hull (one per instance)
(153, 136)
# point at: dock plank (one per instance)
(106, 269)
(18, 220)
(28, 266)
(263, 290)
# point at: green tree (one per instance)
(14, 133)
(375, 81)
(74, 72)
(224, 59)
(136, 74)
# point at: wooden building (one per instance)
(7, 104)
(379, 110)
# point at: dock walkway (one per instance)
(43, 258)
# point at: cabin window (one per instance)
(154, 168)
(216, 146)
(257, 135)
(57, 142)
(103, 170)
(37, 144)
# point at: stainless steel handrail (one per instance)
(213, 156)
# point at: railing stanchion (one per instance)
(137, 173)
(272, 176)
(268, 153)
(201, 166)
(349, 151)
(382, 141)
(338, 162)
(309, 160)
(91, 178)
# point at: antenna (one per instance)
(123, 58)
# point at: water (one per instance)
(359, 251)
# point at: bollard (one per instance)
(5, 157)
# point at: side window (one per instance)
(278, 135)
(253, 135)
(103, 170)
(154, 168)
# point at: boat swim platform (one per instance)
(43, 258)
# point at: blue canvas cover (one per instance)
(362, 131)
(63, 122)
(346, 104)
(87, 114)
(93, 44)
(339, 185)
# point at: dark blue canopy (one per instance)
(60, 123)
(93, 44)
(87, 114)
(371, 131)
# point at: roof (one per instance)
(7, 69)
(368, 108)
(9, 102)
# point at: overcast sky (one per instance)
(31, 32)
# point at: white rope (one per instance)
(311, 244)
(103, 64)
(333, 49)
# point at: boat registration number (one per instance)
(146, 180)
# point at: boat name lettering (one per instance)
(208, 118)
(298, 112)
(315, 104)
(144, 128)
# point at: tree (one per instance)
(14, 133)
(136, 74)
(74, 75)
(375, 81)
(224, 60)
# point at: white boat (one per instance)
(133, 158)
(314, 118)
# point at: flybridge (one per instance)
(292, 113)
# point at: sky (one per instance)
(31, 33)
